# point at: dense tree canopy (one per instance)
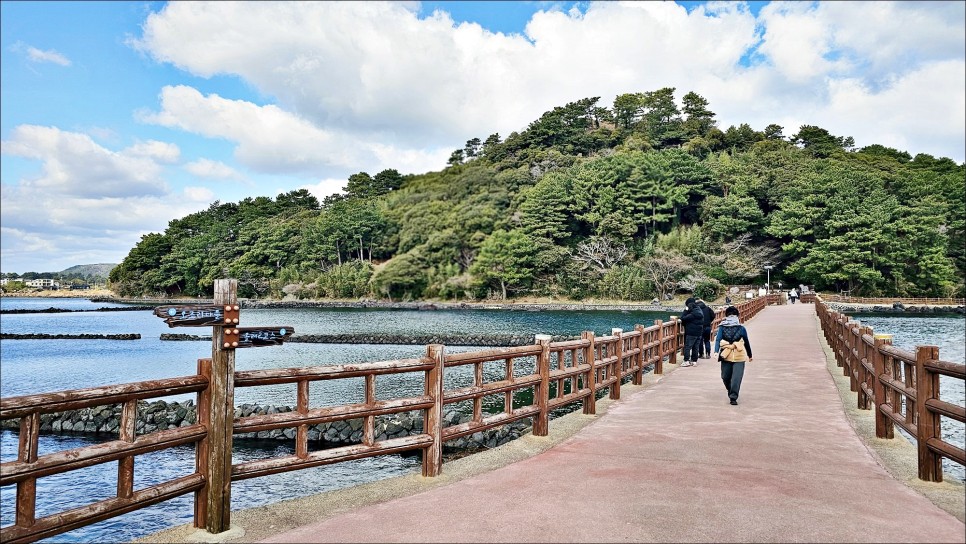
(635, 201)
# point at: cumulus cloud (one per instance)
(372, 71)
(272, 140)
(86, 196)
(74, 165)
(207, 168)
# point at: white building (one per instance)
(44, 283)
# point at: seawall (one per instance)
(163, 415)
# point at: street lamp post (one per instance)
(768, 268)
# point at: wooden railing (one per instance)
(901, 386)
(564, 372)
(30, 465)
(890, 301)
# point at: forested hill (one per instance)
(645, 198)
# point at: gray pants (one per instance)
(692, 348)
(731, 374)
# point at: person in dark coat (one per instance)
(734, 349)
(693, 320)
(706, 332)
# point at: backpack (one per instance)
(732, 348)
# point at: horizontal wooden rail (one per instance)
(75, 399)
(275, 465)
(275, 376)
(457, 359)
(284, 420)
(78, 458)
(79, 517)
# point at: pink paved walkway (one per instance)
(677, 463)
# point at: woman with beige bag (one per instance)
(733, 350)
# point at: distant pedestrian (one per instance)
(734, 349)
(706, 332)
(693, 320)
(793, 295)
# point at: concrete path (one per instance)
(677, 463)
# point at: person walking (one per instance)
(793, 295)
(693, 320)
(706, 332)
(734, 349)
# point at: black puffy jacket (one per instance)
(708, 315)
(693, 320)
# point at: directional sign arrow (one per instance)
(198, 315)
(255, 337)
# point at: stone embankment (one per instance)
(33, 336)
(897, 307)
(496, 340)
(53, 310)
(159, 415)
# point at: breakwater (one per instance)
(53, 310)
(847, 308)
(160, 415)
(493, 340)
(32, 336)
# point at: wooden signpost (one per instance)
(213, 502)
(227, 317)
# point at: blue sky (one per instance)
(117, 117)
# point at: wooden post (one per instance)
(125, 465)
(659, 365)
(590, 379)
(927, 387)
(884, 427)
(541, 396)
(433, 417)
(864, 357)
(222, 399)
(618, 366)
(673, 357)
(302, 431)
(27, 453)
(639, 375)
(202, 447)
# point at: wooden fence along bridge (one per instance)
(782, 466)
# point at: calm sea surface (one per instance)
(37, 366)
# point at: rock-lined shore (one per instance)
(494, 340)
(36, 336)
(670, 306)
(846, 308)
(159, 415)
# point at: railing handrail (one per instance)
(595, 364)
(888, 379)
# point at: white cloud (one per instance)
(87, 203)
(207, 168)
(272, 140)
(74, 165)
(325, 188)
(47, 232)
(37, 55)
(152, 149)
(375, 73)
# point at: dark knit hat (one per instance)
(689, 301)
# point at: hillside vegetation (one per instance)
(640, 200)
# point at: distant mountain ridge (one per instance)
(100, 269)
